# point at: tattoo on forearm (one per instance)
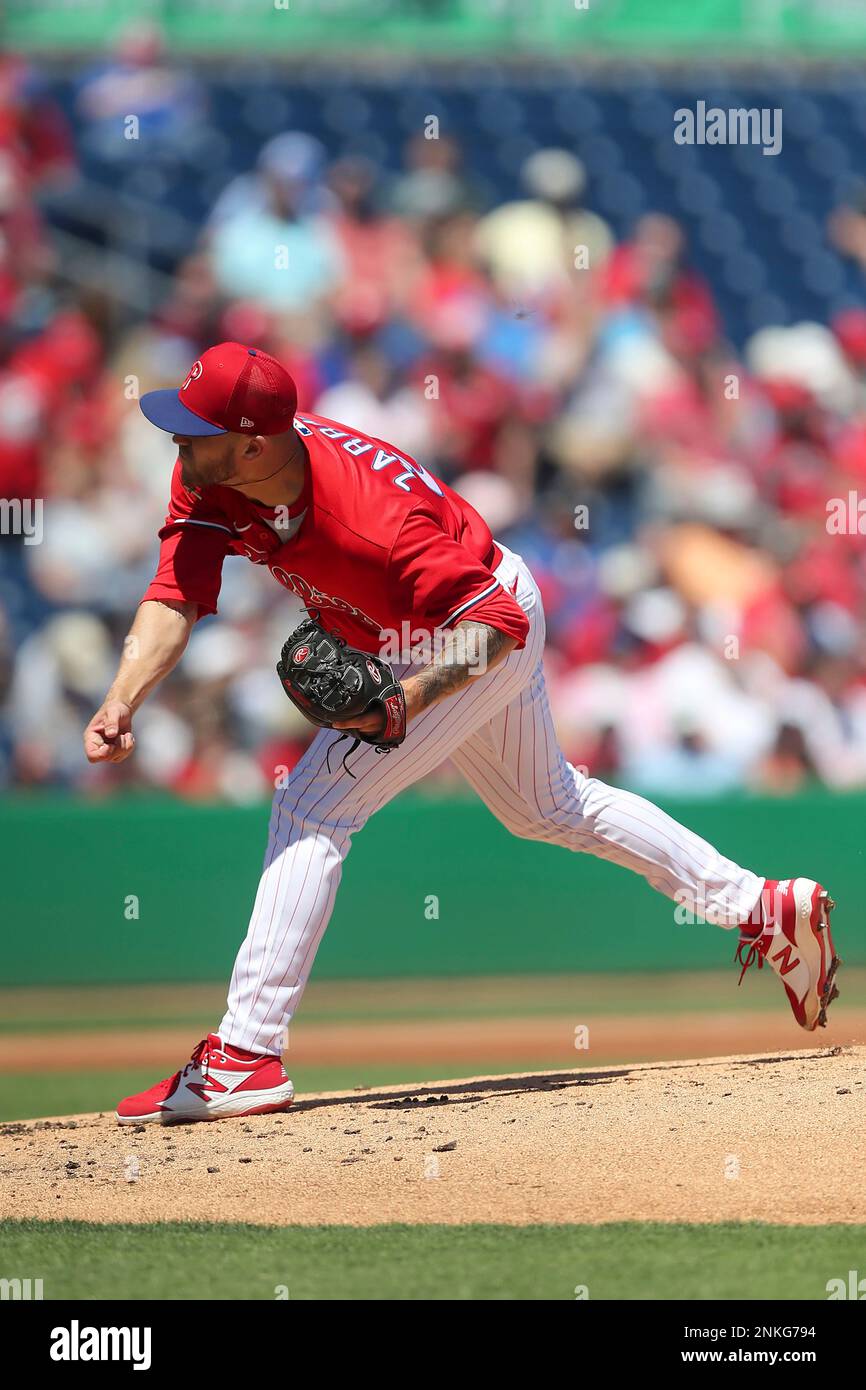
(470, 649)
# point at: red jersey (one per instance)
(373, 541)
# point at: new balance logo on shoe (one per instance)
(802, 954)
(214, 1084)
(205, 1090)
(785, 957)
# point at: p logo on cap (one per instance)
(194, 372)
(230, 388)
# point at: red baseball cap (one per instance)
(231, 388)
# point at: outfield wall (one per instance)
(74, 875)
(740, 28)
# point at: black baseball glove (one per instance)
(329, 680)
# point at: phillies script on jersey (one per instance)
(373, 541)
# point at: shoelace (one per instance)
(199, 1058)
(754, 945)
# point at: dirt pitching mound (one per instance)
(776, 1137)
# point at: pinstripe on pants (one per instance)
(499, 733)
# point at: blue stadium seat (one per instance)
(618, 118)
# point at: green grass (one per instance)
(199, 1007)
(28, 1095)
(629, 1261)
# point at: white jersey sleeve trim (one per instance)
(214, 525)
(470, 603)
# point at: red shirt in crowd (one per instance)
(373, 541)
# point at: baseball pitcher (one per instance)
(374, 546)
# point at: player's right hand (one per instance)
(108, 737)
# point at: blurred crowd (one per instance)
(670, 494)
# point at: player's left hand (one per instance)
(324, 677)
(373, 723)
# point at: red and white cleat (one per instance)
(218, 1082)
(793, 935)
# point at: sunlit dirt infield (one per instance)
(775, 1136)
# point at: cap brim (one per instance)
(165, 410)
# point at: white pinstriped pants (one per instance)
(499, 733)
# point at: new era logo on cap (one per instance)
(231, 388)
